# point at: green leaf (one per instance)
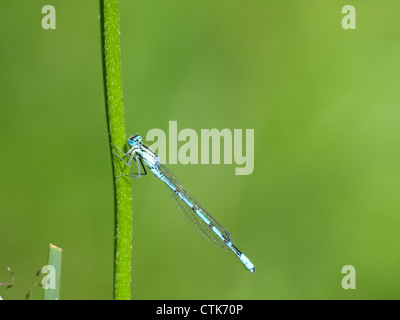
(51, 281)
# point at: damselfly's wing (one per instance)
(192, 217)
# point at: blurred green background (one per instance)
(324, 103)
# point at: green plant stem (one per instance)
(109, 14)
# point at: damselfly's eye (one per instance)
(134, 140)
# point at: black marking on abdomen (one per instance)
(225, 240)
(237, 251)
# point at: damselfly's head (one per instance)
(135, 140)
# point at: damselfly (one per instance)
(198, 217)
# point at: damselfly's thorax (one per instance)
(149, 157)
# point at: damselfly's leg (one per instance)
(125, 154)
(144, 168)
(130, 151)
(138, 166)
(134, 175)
